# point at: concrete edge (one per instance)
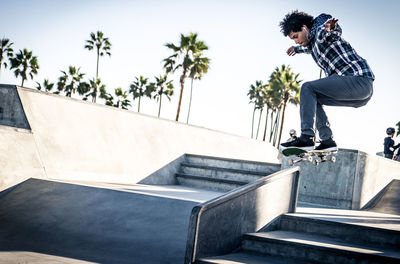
(126, 111)
(234, 160)
(197, 211)
(215, 168)
(369, 205)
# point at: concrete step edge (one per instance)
(239, 171)
(245, 257)
(330, 245)
(201, 178)
(362, 228)
(235, 160)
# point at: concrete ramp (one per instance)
(84, 223)
(387, 201)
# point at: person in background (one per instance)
(293, 135)
(388, 143)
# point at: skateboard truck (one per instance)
(314, 157)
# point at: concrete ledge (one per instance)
(11, 111)
(216, 226)
(79, 140)
(350, 183)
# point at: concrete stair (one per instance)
(221, 174)
(293, 239)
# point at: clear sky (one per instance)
(245, 45)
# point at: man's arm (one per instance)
(330, 31)
(298, 49)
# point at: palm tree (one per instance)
(5, 51)
(138, 88)
(161, 87)
(47, 86)
(188, 47)
(285, 81)
(70, 82)
(94, 87)
(256, 96)
(398, 128)
(24, 64)
(199, 68)
(120, 100)
(102, 45)
(268, 104)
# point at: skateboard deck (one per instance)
(314, 156)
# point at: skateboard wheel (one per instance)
(309, 159)
(291, 162)
(315, 162)
(333, 159)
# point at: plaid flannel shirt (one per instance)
(332, 53)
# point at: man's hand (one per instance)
(291, 51)
(330, 24)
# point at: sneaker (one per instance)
(327, 145)
(303, 142)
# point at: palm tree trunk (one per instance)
(266, 123)
(97, 67)
(94, 95)
(278, 115)
(138, 109)
(190, 101)
(159, 108)
(22, 84)
(259, 121)
(180, 96)
(283, 119)
(271, 131)
(252, 121)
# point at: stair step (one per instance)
(315, 248)
(248, 258)
(264, 167)
(222, 173)
(357, 234)
(208, 182)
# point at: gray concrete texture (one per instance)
(93, 224)
(350, 183)
(216, 226)
(73, 139)
(11, 111)
(388, 201)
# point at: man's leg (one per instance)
(334, 90)
(322, 123)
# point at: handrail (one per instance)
(198, 210)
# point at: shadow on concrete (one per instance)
(387, 201)
(93, 224)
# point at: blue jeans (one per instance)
(335, 90)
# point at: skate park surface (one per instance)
(84, 183)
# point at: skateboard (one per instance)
(315, 157)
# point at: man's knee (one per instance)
(305, 88)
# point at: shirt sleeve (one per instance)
(333, 35)
(301, 49)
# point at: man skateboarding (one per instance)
(348, 82)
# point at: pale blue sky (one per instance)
(245, 45)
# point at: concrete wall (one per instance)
(19, 158)
(216, 227)
(11, 111)
(350, 183)
(73, 139)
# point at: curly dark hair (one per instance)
(294, 21)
